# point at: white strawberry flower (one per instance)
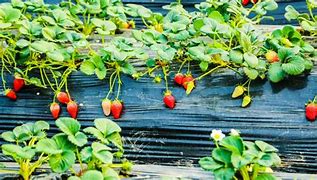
(234, 132)
(217, 135)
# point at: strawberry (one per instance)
(10, 94)
(254, 1)
(72, 109)
(18, 84)
(106, 106)
(271, 56)
(55, 110)
(116, 109)
(186, 80)
(311, 111)
(179, 78)
(169, 100)
(245, 2)
(63, 97)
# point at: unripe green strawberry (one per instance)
(246, 101)
(238, 91)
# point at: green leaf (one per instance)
(110, 174)
(265, 177)
(209, 164)
(284, 53)
(79, 139)
(224, 173)
(16, 151)
(251, 73)
(222, 155)
(150, 63)
(8, 136)
(21, 133)
(102, 152)
(291, 13)
(106, 126)
(96, 133)
(276, 73)
(239, 161)
(22, 43)
(216, 16)
(296, 66)
(48, 146)
(55, 55)
(92, 175)
(68, 126)
(116, 139)
(40, 126)
(265, 147)
(101, 73)
(86, 154)
(236, 56)
(128, 68)
(266, 160)
(203, 65)
(62, 142)
(233, 143)
(49, 33)
(198, 24)
(62, 162)
(245, 42)
(251, 59)
(87, 67)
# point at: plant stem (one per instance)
(209, 72)
(79, 159)
(165, 77)
(181, 67)
(119, 84)
(111, 83)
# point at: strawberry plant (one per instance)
(21, 145)
(64, 149)
(308, 21)
(234, 158)
(30, 148)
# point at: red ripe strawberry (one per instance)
(63, 97)
(245, 2)
(179, 78)
(18, 84)
(55, 110)
(254, 1)
(72, 109)
(10, 94)
(311, 111)
(186, 80)
(116, 109)
(169, 100)
(106, 107)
